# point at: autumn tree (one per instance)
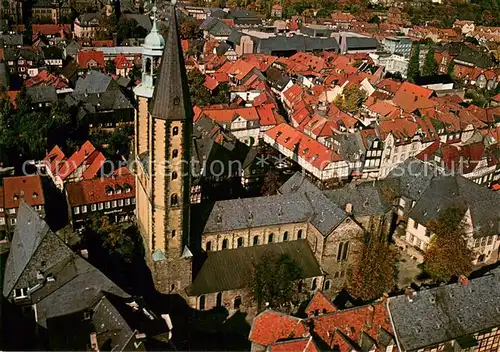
(189, 28)
(272, 183)
(414, 64)
(448, 254)
(351, 99)
(430, 65)
(375, 271)
(111, 67)
(273, 279)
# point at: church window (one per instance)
(219, 300)
(327, 284)
(173, 233)
(240, 242)
(173, 199)
(270, 238)
(148, 65)
(175, 131)
(299, 234)
(255, 240)
(175, 153)
(208, 246)
(177, 101)
(174, 175)
(224, 243)
(285, 236)
(202, 302)
(299, 286)
(345, 251)
(339, 252)
(314, 284)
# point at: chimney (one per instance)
(409, 293)
(93, 342)
(348, 208)
(463, 280)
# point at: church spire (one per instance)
(171, 95)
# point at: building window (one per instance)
(202, 302)
(100, 206)
(285, 236)
(208, 246)
(345, 252)
(127, 201)
(120, 202)
(93, 207)
(224, 243)
(84, 209)
(2, 220)
(342, 251)
(174, 175)
(299, 286)
(173, 199)
(175, 131)
(270, 238)
(299, 234)
(76, 210)
(107, 205)
(314, 284)
(113, 204)
(20, 293)
(490, 240)
(327, 284)
(13, 221)
(415, 224)
(175, 153)
(218, 301)
(255, 240)
(240, 242)
(237, 302)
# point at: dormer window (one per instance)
(306, 150)
(118, 190)
(109, 190)
(127, 188)
(287, 139)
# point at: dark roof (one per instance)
(359, 43)
(277, 78)
(52, 52)
(143, 20)
(95, 82)
(12, 39)
(457, 191)
(96, 102)
(447, 312)
(171, 95)
(42, 94)
(208, 23)
(223, 48)
(294, 43)
(230, 269)
(426, 80)
(220, 29)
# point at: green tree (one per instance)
(414, 64)
(272, 183)
(200, 95)
(351, 99)
(129, 28)
(448, 254)
(374, 273)
(273, 280)
(451, 68)
(223, 94)
(430, 65)
(189, 28)
(110, 67)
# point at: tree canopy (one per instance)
(201, 96)
(414, 64)
(430, 65)
(273, 280)
(351, 99)
(448, 254)
(375, 272)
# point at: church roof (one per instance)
(171, 96)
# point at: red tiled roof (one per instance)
(45, 78)
(51, 29)
(388, 85)
(210, 83)
(102, 43)
(28, 188)
(277, 7)
(121, 61)
(307, 148)
(268, 115)
(270, 326)
(382, 108)
(411, 97)
(95, 190)
(12, 94)
(185, 45)
(496, 98)
(87, 156)
(319, 303)
(53, 158)
(84, 57)
(305, 344)
(226, 115)
(401, 128)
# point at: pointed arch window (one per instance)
(314, 284)
(202, 302)
(219, 300)
(175, 131)
(285, 236)
(270, 238)
(174, 199)
(174, 175)
(240, 242)
(255, 240)
(175, 153)
(299, 234)
(208, 246)
(224, 243)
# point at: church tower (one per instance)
(163, 126)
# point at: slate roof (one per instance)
(294, 43)
(12, 39)
(96, 102)
(229, 269)
(448, 191)
(171, 95)
(220, 29)
(143, 20)
(42, 94)
(360, 43)
(95, 82)
(447, 312)
(52, 52)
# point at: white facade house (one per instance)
(391, 62)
